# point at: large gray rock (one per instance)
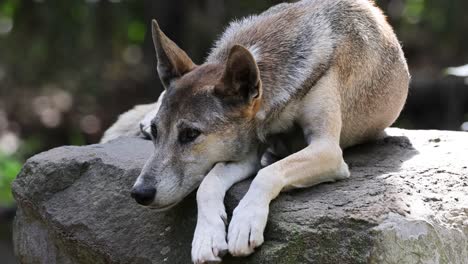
(406, 202)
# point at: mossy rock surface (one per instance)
(406, 202)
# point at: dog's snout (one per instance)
(143, 196)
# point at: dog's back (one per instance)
(295, 45)
(332, 70)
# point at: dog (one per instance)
(279, 96)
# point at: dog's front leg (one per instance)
(320, 162)
(209, 242)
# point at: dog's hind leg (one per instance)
(209, 241)
(321, 161)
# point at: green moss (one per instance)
(329, 242)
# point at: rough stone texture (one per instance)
(406, 202)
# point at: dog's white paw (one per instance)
(246, 228)
(209, 241)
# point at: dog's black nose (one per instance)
(143, 196)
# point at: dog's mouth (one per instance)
(171, 205)
(161, 209)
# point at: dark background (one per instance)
(69, 68)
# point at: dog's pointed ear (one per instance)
(173, 62)
(241, 78)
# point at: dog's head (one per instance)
(206, 116)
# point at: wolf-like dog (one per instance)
(280, 95)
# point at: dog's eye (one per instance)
(188, 135)
(154, 130)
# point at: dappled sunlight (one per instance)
(464, 126)
(461, 71)
(424, 190)
(9, 143)
(90, 124)
(132, 55)
(51, 107)
(6, 25)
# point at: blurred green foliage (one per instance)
(136, 31)
(9, 168)
(7, 8)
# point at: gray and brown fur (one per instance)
(304, 80)
(298, 43)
